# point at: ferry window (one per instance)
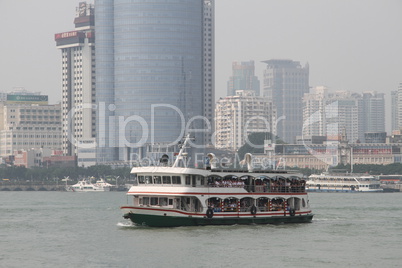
(148, 179)
(145, 201)
(133, 178)
(188, 180)
(141, 179)
(154, 201)
(166, 179)
(163, 201)
(176, 179)
(170, 202)
(157, 180)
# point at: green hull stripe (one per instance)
(170, 221)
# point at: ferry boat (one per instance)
(181, 196)
(343, 183)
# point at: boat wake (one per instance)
(126, 224)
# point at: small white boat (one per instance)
(343, 183)
(85, 185)
(102, 183)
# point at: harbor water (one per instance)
(69, 229)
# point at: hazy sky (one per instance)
(351, 45)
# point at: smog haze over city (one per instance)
(349, 45)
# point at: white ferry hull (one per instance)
(342, 191)
(92, 190)
(343, 183)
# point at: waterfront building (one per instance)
(78, 80)
(243, 78)
(28, 121)
(329, 154)
(31, 157)
(155, 73)
(42, 157)
(238, 116)
(285, 83)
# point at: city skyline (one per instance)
(345, 48)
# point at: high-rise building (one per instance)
(285, 83)
(371, 108)
(78, 83)
(155, 73)
(243, 78)
(238, 116)
(394, 110)
(331, 114)
(28, 121)
(209, 68)
(344, 117)
(314, 112)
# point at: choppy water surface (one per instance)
(67, 229)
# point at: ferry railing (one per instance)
(274, 189)
(263, 188)
(263, 209)
(247, 209)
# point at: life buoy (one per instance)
(210, 213)
(253, 210)
(292, 212)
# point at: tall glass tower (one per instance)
(150, 73)
(243, 78)
(285, 82)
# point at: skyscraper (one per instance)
(314, 112)
(331, 114)
(243, 78)
(209, 67)
(240, 115)
(371, 107)
(285, 82)
(394, 110)
(342, 116)
(78, 80)
(397, 108)
(155, 73)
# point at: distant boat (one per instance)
(343, 183)
(85, 185)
